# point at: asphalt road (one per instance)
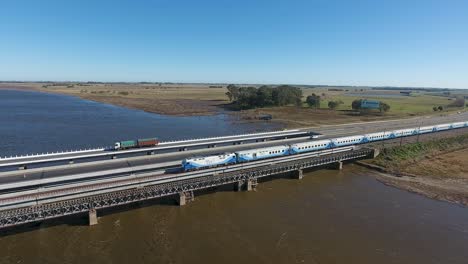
(327, 132)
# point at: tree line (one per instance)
(251, 97)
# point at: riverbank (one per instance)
(436, 169)
(206, 99)
(167, 99)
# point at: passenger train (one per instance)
(204, 162)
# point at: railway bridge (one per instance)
(47, 203)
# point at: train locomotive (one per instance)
(204, 162)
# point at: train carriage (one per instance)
(458, 125)
(378, 136)
(405, 132)
(426, 129)
(263, 153)
(196, 163)
(443, 127)
(310, 146)
(346, 141)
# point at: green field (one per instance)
(420, 103)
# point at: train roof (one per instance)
(312, 142)
(262, 149)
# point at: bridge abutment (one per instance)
(92, 215)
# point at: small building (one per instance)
(370, 104)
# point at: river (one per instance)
(327, 217)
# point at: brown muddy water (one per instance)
(327, 217)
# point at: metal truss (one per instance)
(41, 212)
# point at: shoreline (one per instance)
(188, 100)
(427, 174)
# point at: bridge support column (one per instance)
(376, 152)
(22, 167)
(338, 165)
(113, 157)
(185, 197)
(92, 214)
(238, 186)
(298, 174)
(251, 184)
(71, 161)
(150, 152)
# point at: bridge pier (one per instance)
(338, 165)
(298, 174)
(92, 215)
(71, 161)
(376, 152)
(251, 184)
(113, 157)
(186, 197)
(238, 186)
(150, 152)
(22, 167)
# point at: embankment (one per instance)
(436, 168)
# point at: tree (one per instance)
(285, 95)
(313, 101)
(435, 108)
(247, 97)
(459, 102)
(441, 108)
(384, 107)
(333, 104)
(233, 92)
(264, 96)
(250, 97)
(356, 104)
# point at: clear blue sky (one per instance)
(394, 42)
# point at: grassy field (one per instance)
(205, 99)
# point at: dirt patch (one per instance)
(450, 190)
(441, 173)
(182, 107)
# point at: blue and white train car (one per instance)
(426, 129)
(262, 153)
(405, 132)
(377, 136)
(458, 125)
(196, 163)
(346, 141)
(443, 127)
(310, 146)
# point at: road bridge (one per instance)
(218, 144)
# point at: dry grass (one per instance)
(200, 99)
